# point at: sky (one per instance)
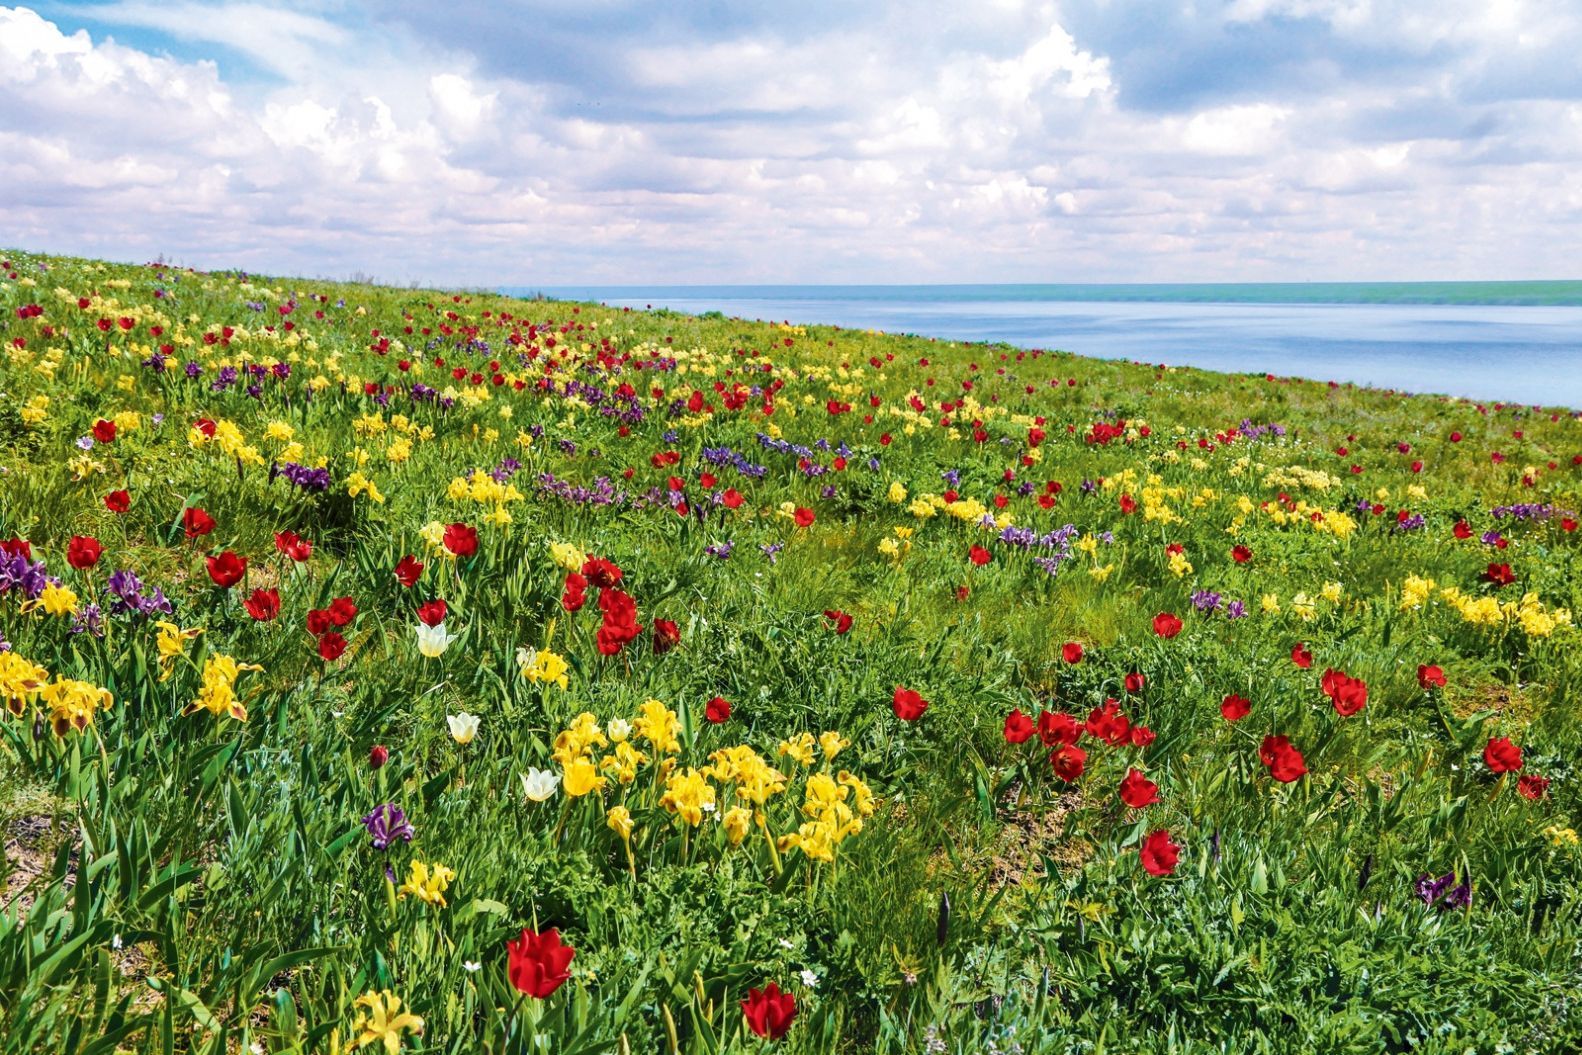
(758, 141)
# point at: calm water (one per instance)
(1513, 341)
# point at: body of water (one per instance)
(1514, 341)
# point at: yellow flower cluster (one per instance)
(735, 785)
(427, 883)
(835, 807)
(1529, 613)
(217, 693)
(72, 704)
(19, 680)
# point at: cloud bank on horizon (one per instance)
(615, 141)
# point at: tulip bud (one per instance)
(378, 755)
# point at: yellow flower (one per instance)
(19, 679)
(688, 794)
(798, 748)
(1332, 592)
(623, 762)
(172, 645)
(56, 600)
(619, 819)
(659, 725)
(540, 664)
(897, 492)
(427, 883)
(737, 822)
(582, 777)
(756, 781)
(217, 693)
(1270, 603)
(567, 557)
(357, 484)
(832, 744)
(72, 704)
(382, 1021)
(581, 737)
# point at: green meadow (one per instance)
(431, 671)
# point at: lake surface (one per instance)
(1512, 341)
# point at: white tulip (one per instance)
(432, 641)
(463, 727)
(540, 784)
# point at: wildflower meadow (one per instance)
(414, 671)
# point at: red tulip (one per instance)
(196, 522)
(378, 755)
(666, 636)
(1301, 656)
(620, 622)
(1137, 791)
(1348, 694)
(601, 573)
(1499, 575)
(83, 552)
(538, 962)
(432, 613)
(908, 704)
(804, 517)
(839, 621)
(263, 605)
(294, 546)
(1285, 763)
(342, 611)
(768, 1011)
(1234, 708)
(979, 556)
(1019, 728)
(408, 570)
(1135, 682)
(1071, 652)
(1502, 756)
(104, 431)
(1107, 723)
(575, 593)
(1167, 625)
(1240, 554)
(1532, 786)
(461, 540)
(1068, 762)
(717, 710)
(1058, 728)
(331, 646)
(1429, 676)
(118, 501)
(1158, 854)
(227, 569)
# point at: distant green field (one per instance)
(418, 671)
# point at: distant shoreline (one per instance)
(1512, 293)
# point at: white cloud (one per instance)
(990, 143)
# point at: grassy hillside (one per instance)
(981, 700)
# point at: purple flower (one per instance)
(1205, 601)
(1444, 890)
(386, 824)
(772, 550)
(305, 478)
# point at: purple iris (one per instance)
(386, 824)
